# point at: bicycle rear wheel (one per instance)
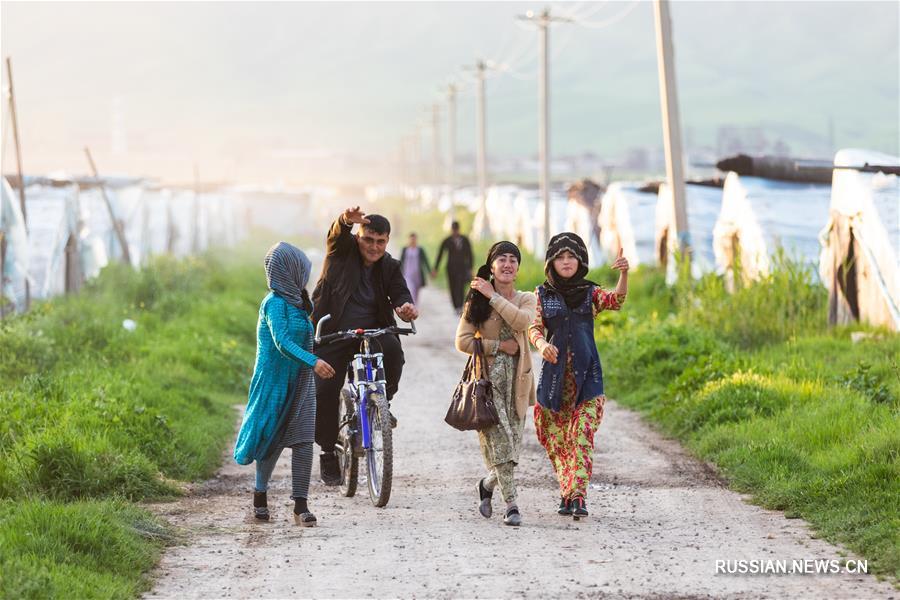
(347, 459)
(380, 457)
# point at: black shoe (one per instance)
(484, 507)
(565, 507)
(260, 506)
(579, 509)
(305, 519)
(329, 471)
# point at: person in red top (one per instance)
(570, 394)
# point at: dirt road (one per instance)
(659, 520)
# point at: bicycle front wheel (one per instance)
(380, 456)
(345, 447)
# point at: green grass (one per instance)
(791, 411)
(94, 417)
(85, 549)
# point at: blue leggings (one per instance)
(301, 468)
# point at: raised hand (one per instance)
(354, 215)
(621, 263)
(323, 369)
(482, 286)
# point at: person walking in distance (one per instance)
(281, 405)
(361, 287)
(415, 267)
(570, 392)
(459, 264)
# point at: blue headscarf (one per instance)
(287, 273)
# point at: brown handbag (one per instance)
(472, 406)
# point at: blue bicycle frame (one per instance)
(366, 377)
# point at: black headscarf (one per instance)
(287, 273)
(478, 307)
(574, 289)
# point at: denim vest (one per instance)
(569, 329)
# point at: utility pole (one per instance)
(668, 96)
(481, 139)
(451, 150)
(408, 161)
(401, 161)
(117, 225)
(15, 127)
(436, 143)
(543, 22)
(418, 161)
(482, 151)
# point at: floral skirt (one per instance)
(568, 437)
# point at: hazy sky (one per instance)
(259, 90)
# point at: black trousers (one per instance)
(339, 355)
(457, 279)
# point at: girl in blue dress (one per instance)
(281, 405)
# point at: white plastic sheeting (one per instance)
(559, 207)
(125, 203)
(516, 213)
(579, 220)
(304, 211)
(155, 230)
(15, 261)
(154, 222)
(49, 218)
(522, 216)
(865, 228)
(704, 204)
(502, 223)
(627, 218)
(761, 214)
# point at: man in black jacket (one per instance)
(459, 265)
(361, 287)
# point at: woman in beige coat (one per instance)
(500, 315)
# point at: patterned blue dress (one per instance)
(281, 402)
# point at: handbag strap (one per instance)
(467, 371)
(478, 358)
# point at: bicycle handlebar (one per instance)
(359, 333)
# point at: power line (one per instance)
(573, 10)
(611, 20)
(598, 6)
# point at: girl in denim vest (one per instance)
(570, 396)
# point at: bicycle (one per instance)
(364, 423)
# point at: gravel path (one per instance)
(659, 520)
